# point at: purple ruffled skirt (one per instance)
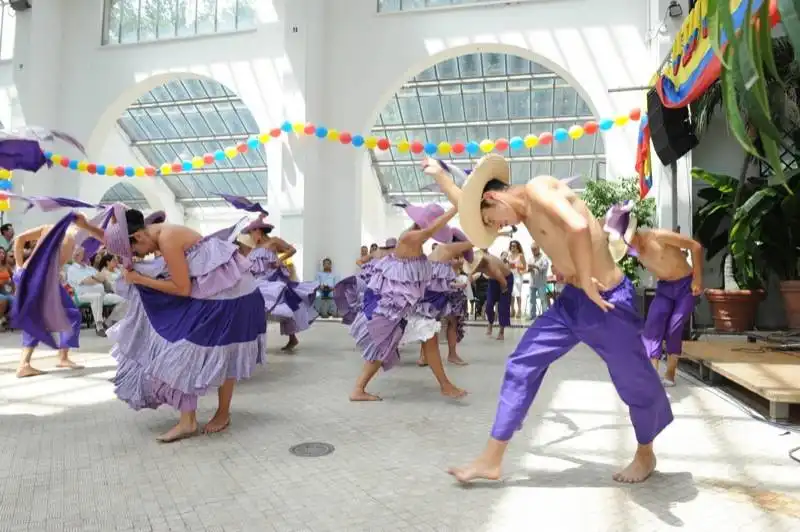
(288, 302)
(171, 349)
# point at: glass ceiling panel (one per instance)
(185, 118)
(480, 96)
(126, 193)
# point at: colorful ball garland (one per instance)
(402, 145)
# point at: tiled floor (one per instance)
(74, 458)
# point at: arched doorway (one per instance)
(126, 193)
(480, 96)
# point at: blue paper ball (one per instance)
(431, 148)
(101, 169)
(560, 134)
(219, 155)
(357, 141)
(322, 132)
(129, 171)
(5, 184)
(48, 155)
(286, 127)
(187, 165)
(252, 143)
(472, 147)
(516, 143)
(73, 165)
(606, 124)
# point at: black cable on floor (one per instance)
(747, 410)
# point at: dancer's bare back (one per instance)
(664, 260)
(494, 268)
(37, 234)
(548, 196)
(447, 252)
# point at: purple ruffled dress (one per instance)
(288, 302)
(172, 349)
(348, 294)
(390, 317)
(441, 300)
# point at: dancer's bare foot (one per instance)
(178, 432)
(489, 330)
(422, 362)
(218, 423)
(475, 471)
(456, 360)
(26, 370)
(501, 337)
(642, 466)
(291, 344)
(362, 396)
(449, 390)
(68, 364)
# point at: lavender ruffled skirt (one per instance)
(288, 302)
(171, 349)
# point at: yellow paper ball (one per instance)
(111, 171)
(166, 169)
(263, 138)
(575, 132)
(444, 147)
(621, 120)
(197, 162)
(298, 128)
(231, 152)
(139, 171)
(5, 174)
(531, 141)
(403, 146)
(370, 142)
(333, 134)
(486, 146)
(56, 158)
(83, 165)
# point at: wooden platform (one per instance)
(757, 367)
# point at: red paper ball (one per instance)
(91, 168)
(635, 114)
(150, 171)
(501, 144)
(384, 144)
(119, 171)
(310, 129)
(590, 127)
(546, 138)
(458, 147)
(65, 162)
(208, 158)
(417, 147)
(345, 137)
(177, 167)
(275, 132)
(241, 148)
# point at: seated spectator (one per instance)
(6, 286)
(327, 280)
(88, 285)
(108, 266)
(6, 237)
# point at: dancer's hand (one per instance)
(697, 285)
(131, 276)
(80, 220)
(592, 290)
(431, 167)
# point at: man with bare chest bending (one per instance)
(662, 253)
(597, 307)
(501, 281)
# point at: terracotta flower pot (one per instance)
(790, 290)
(734, 310)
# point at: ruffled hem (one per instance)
(348, 296)
(398, 284)
(265, 262)
(289, 303)
(378, 339)
(420, 329)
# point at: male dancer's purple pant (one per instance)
(68, 339)
(667, 315)
(495, 294)
(614, 335)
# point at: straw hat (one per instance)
(620, 224)
(491, 166)
(470, 266)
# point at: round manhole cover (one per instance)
(312, 449)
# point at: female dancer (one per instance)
(348, 294)
(390, 315)
(443, 300)
(288, 302)
(195, 320)
(516, 261)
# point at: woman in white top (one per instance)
(108, 265)
(518, 265)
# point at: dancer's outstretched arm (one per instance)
(432, 168)
(420, 236)
(31, 235)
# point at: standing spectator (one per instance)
(539, 268)
(327, 280)
(6, 236)
(518, 265)
(6, 286)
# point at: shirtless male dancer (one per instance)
(68, 339)
(501, 280)
(597, 307)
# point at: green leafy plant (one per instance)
(601, 194)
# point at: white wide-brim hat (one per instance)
(245, 239)
(620, 225)
(491, 166)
